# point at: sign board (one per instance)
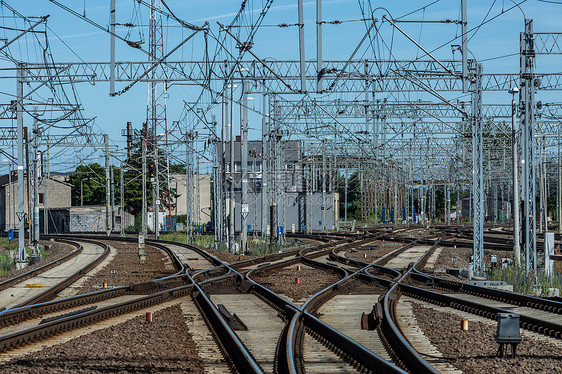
(10, 234)
(158, 202)
(293, 227)
(200, 229)
(245, 210)
(21, 215)
(279, 230)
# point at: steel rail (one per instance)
(34, 272)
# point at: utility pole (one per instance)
(144, 199)
(477, 163)
(224, 186)
(36, 255)
(527, 105)
(21, 260)
(188, 184)
(265, 169)
(301, 46)
(231, 175)
(559, 184)
(244, 169)
(10, 188)
(319, 62)
(112, 48)
(122, 199)
(45, 196)
(156, 190)
(112, 198)
(323, 228)
(107, 188)
(464, 46)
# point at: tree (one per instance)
(133, 180)
(88, 185)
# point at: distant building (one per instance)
(296, 187)
(56, 195)
(202, 188)
(78, 219)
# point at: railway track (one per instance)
(259, 330)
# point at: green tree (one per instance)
(88, 185)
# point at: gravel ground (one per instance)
(229, 257)
(125, 268)
(474, 351)
(455, 258)
(134, 346)
(283, 281)
(373, 251)
(58, 250)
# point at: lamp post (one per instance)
(9, 193)
(516, 248)
(82, 190)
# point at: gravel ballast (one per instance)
(474, 351)
(134, 346)
(283, 281)
(373, 251)
(125, 268)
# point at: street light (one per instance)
(82, 190)
(516, 248)
(9, 192)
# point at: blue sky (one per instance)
(72, 39)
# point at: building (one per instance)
(303, 193)
(52, 193)
(77, 219)
(201, 207)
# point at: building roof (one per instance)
(4, 180)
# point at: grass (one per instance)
(255, 245)
(530, 284)
(6, 264)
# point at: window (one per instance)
(41, 198)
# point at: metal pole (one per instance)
(319, 88)
(156, 188)
(21, 260)
(265, 169)
(477, 175)
(188, 186)
(45, 197)
(464, 47)
(10, 187)
(559, 185)
(231, 175)
(144, 199)
(345, 193)
(122, 199)
(301, 46)
(35, 256)
(107, 188)
(323, 185)
(112, 185)
(112, 49)
(544, 188)
(224, 226)
(244, 169)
